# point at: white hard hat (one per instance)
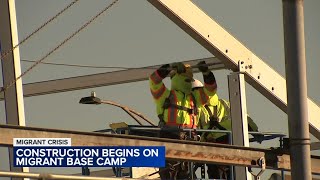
(197, 84)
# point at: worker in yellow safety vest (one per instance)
(216, 115)
(179, 107)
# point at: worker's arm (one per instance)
(157, 87)
(223, 110)
(203, 95)
(210, 84)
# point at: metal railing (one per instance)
(132, 129)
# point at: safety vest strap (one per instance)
(215, 109)
(170, 103)
(193, 105)
(172, 111)
(189, 110)
(214, 118)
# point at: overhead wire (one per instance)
(79, 65)
(60, 45)
(4, 54)
(105, 67)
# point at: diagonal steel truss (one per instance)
(233, 54)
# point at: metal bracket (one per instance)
(241, 66)
(244, 65)
(262, 164)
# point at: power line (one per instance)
(4, 54)
(103, 67)
(60, 45)
(79, 65)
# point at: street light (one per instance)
(95, 100)
(90, 99)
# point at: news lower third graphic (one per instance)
(58, 152)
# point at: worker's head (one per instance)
(182, 82)
(196, 84)
(213, 100)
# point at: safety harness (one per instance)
(168, 103)
(175, 167)
(213, 120)
(214, 123)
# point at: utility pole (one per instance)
(11, 69)
(294, 43)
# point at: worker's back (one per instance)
(220, 109)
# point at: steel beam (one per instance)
(238, 105)
(175, 149)
(11, 63)
(315, 146)
(230, 51)
(11, 69)
(102, 79)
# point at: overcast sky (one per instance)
(135, 34)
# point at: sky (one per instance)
(135, 34)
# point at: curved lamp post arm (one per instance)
(129, 111)
(131, 114)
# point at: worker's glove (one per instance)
(164, 70)
(179, 67)
(203, 67)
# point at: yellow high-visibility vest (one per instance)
(223, 116)
(174, 116)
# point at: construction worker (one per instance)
(179, 107)
(216, 115)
